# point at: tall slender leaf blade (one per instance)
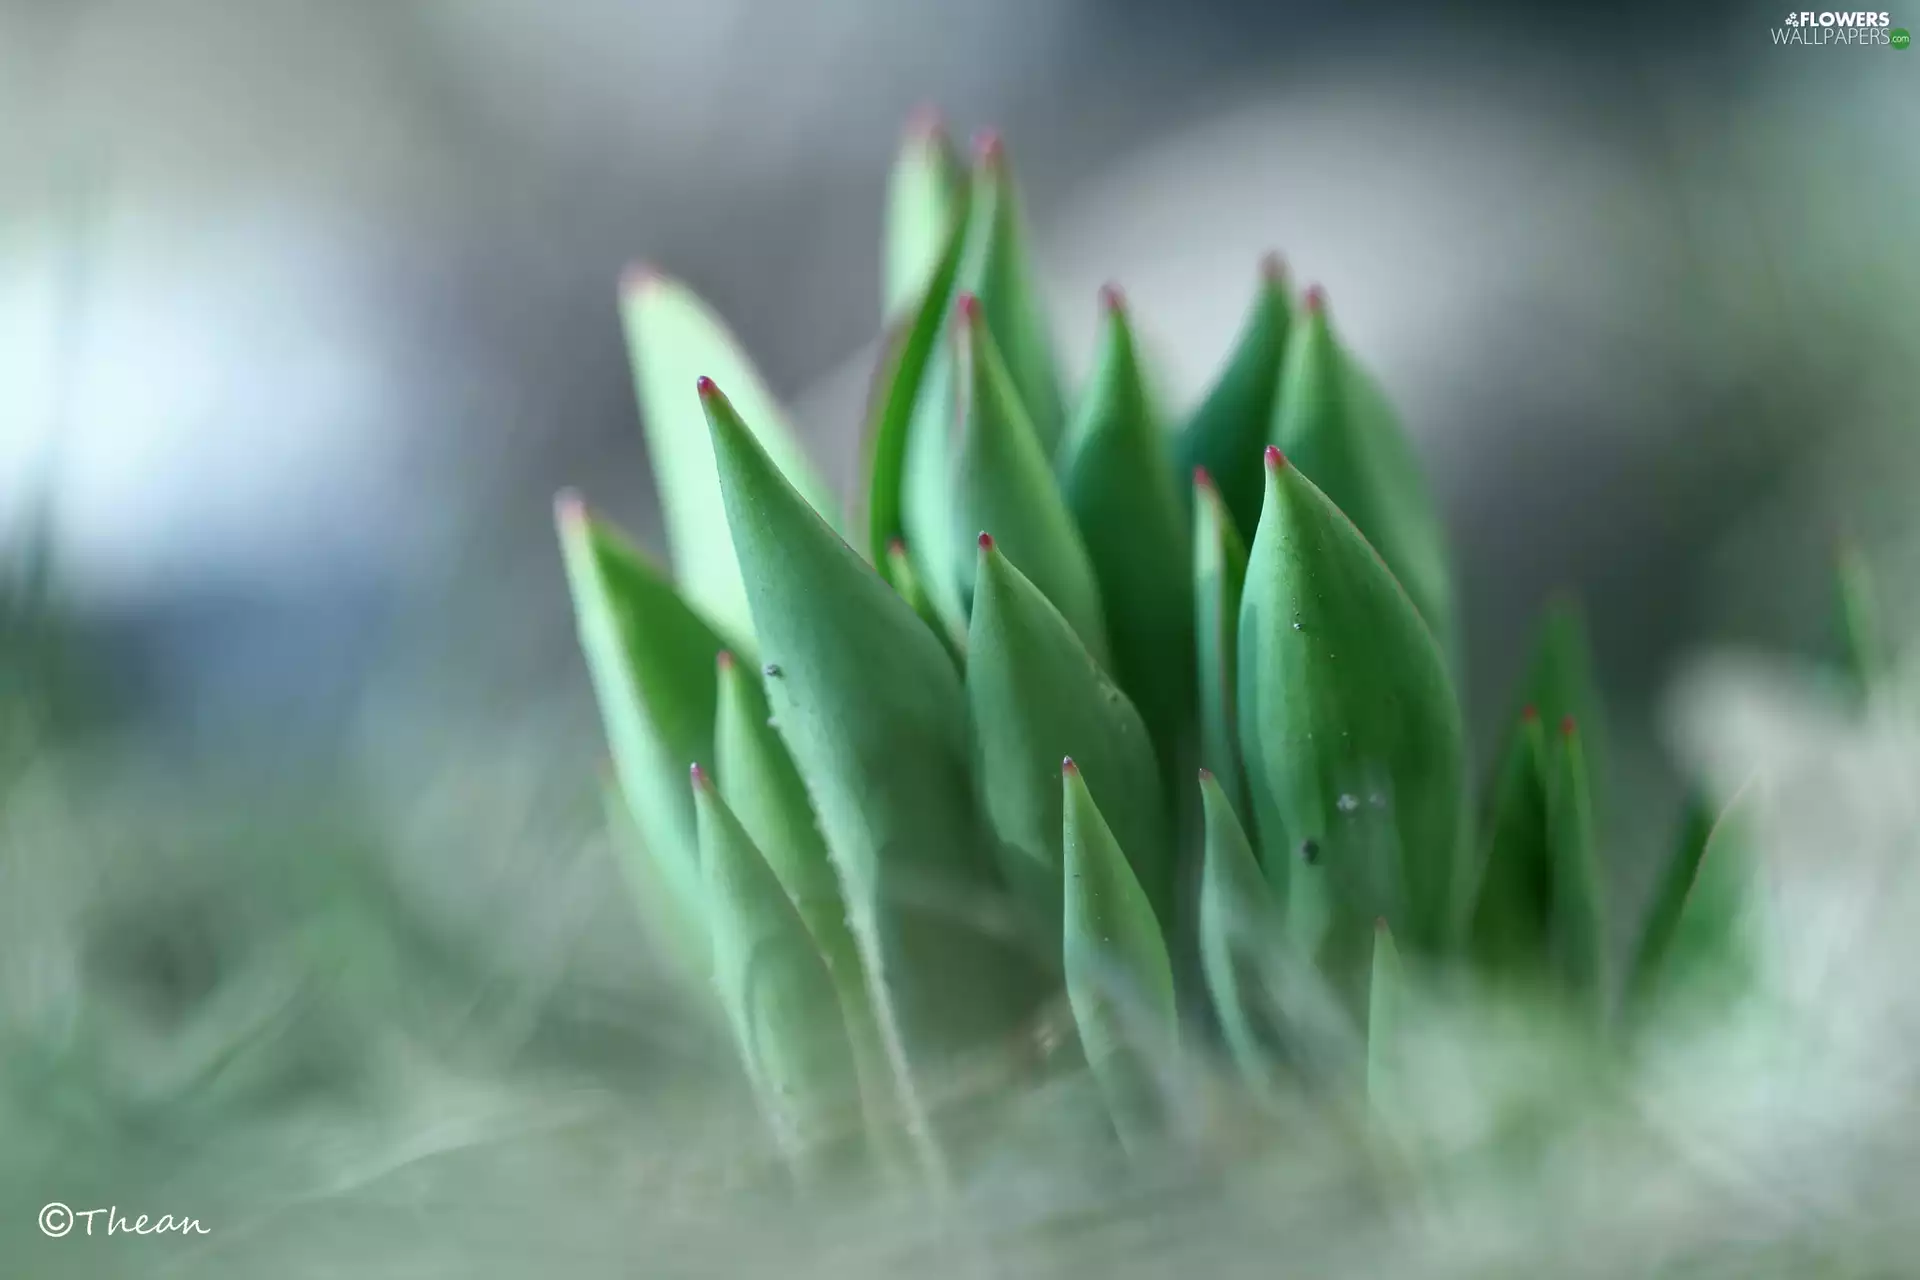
(926, 198)
(778, 993)
(874, 715)
(651, 659)
(1122, 494)
(1119, 979)
(1578, 930)
(1226, 433)
(1348, 724)
(673, 338)
(1034, 695)
(1336, 426)
(1219, 570)
(1513, 902)
(1004, 484)
(1240, 930)
(759, 782)
(1697, 822)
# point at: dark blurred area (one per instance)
(307, 308)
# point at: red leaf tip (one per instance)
(1529, 713)
(1567, 727)
(724, 660)
(1316, 299)
(1276, 460)
(569, 508)
(706, 386)
(1380, 924)
(1206, 775)
(986, 540)
(1112, 300)
(1202, 478)
(1068, 766)
(636, 276)
(896, 546)
(925, 123)
(989, 147)
(969, 308)
(700, 780)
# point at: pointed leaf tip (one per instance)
(706, 387)
(1316, 299)
(569, 509)
(636, 276)
(1112, 299)
(1273, 268)
(967, 310)
(986, 540)
(989, 147)
(1068, 766)
(724, 660)
(1567, 727)
(926, 122)
(1206, 776)
(1276, 460)
(698, 777)
(1202, 478)
(1529, 713)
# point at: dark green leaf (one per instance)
(1119, 980)
(1336, 426)
(1348, 725)
(1227, 432)
(1578, 928)
(1514, 899)
(1220, 567)
(1005, 486)
(1697, 821)
(1035, 695)
(1124, 500)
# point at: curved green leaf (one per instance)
(1348, 724)
(1240, 928)
(1226, 432)
(1697, 822)
(1119, 980)
(926, 197)
(759, 782)
(873, 713)
(1578, 928)
(673, 339)
(1336, 426)
(1005, 486)
(651, 659)
(1513, 902)
(779, 996)
(1034, 695)
(1123, 498)
(1712, 951)
(914, 370)
(997, 269)
(1219, 569)
(1385, 1009)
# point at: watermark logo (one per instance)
(57, 1220)
(1853, 29)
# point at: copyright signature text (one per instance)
(57, 1220)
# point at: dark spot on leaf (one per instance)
(1310, 852)
(772, 669)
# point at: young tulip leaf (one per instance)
(926, 196)
(1227, 432)
(914, 381)
(1860, 621)
(673, 339)
(1119, 980)
(1219, 569)
(1513, 902)
(1034, 695)
(1697, 821)
(1578, 929)
(1240, 929)
(1348, 724)
(759, 782)
(1124, 500)
(651, 661)
(776, 988)
(874, 715)
(1560, 683)
(996, 270)
(1711, 951)
(1005, 485)
(1337, 427)
(899, 571)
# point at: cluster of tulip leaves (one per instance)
(1156, 714)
